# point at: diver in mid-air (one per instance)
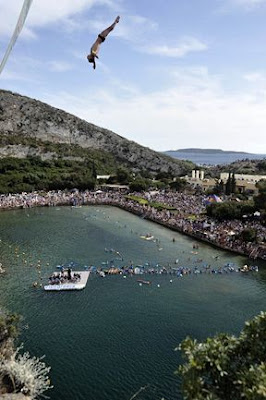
(100, 39)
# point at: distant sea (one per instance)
(209, 158)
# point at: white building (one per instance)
(197, 175)
(243, 177)
(197, 179)
(244, 183)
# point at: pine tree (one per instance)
(221, 186)
(233, 183)
(228, 185)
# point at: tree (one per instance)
(226, 367)
(233, 183)
(123, 176)
(218, 188)
(94, 171)
(230, 210)
(179, 184)
(163, 176)
(19, 373)
(260, 200)
(138, 185)
(249, 235)
(261, 165)
(223, 211)
(8, 326)
(228, 185)
(221, 186)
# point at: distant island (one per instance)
(207, 151)
(213, 156)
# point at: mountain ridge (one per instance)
(33, 120)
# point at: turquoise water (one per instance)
(114, 337)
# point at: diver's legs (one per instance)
(110, 28)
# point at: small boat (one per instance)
(144, 282)
(147, 237)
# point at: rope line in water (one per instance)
(21, 21)
(138, 392)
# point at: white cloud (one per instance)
(186, 45)
(244, 5)
(255, 77)
(194, 111)
(131, 28)
(59, 66)
(135, 27)
(248, 3)
(13, 76)
(45, 12)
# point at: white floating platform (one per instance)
(84, 275)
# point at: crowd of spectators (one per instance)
(188, 217)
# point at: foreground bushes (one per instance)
(19, 373)
(226, 367)
(26, 175)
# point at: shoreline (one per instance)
(164, 218)
(191, 235)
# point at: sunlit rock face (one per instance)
(26, 117)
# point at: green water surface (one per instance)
(114, 337)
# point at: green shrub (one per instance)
(249, 235)
(229, 210)
(138, 185)
(227, 367)
(8, 326)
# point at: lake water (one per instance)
(214, 158)
(114, 337)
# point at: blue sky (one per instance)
(173, 74)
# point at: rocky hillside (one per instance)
(249, 167)
(29, 127)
